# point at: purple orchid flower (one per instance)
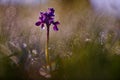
(47, 18)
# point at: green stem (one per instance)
(46, 50)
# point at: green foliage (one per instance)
(89, 61)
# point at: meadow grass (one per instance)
(85, 47)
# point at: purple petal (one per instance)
(51, 14)
(38, 23)
(47, 18)
(56, 23)
(51, 20)
(45, 14)
(42, 26)
(51, 10)
(41, 17)
(55, 28)
(41, 13)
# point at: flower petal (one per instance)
(51, 10)
(55, 28)
(41, 13)
(42, 26)
(38, 23)
(51, 14)
(41, 17)
(56, 23)
(47, 18)
(51, 20)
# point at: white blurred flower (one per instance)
(34, 51)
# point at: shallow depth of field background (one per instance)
(86, 47)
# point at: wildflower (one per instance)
(47, 18)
